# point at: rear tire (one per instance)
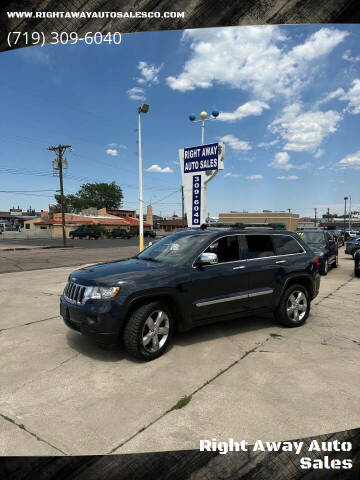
(294, 306)
(325, 268)
(148, 332)
(357, 272)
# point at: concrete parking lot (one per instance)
(249, 379)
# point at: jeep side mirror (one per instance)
(207, 259)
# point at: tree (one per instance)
(93, 195)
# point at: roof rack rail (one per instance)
(238, 225)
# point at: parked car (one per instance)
(120, 233)
(357, 263)
(323, 245)
(353, 233)
(84, 232)
(352, 245)
(191, 278)
(149, 233)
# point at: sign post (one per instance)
(198, 166)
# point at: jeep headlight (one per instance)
(100, 293)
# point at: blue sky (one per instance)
(289, 102)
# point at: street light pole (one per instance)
(345, 198)
(144, 108)
(350, 213)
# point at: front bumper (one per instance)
(101, 321)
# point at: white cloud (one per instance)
(136, 93)
(347, 56)
(254, 58)
(319, 153)
(234, 175)
(254, 107)
(353, 97)
(157, 169)
(304, 131)
(235, 143)
(149, 73)
(330, 96)
(288, 177)
(119, 145)
(351, 160)
(281, 161)
(112, 151)
(268, 144)
(256, 176)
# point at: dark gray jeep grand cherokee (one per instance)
(191, 278)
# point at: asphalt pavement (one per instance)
(250, 379)
(33, 256)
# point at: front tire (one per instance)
(294, 306)
(148, 332)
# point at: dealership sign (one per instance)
(198, 166)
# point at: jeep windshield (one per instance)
(312, 237)
(175, 248)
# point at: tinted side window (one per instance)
(259, 246)
(286, 245)
(226, 248)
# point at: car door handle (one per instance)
(239, 268)
(281, 261)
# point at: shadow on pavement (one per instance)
(115, 353)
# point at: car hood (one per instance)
(111, 273)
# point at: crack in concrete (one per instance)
(221, 372)
(336, 290)
(63, 362)
(29, 323)
(20, 425)
(32, 380)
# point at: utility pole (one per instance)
(60, 149)
(182, 203)
(315, 215)
(289, 210)
(328, 214)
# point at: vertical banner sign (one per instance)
(196, 200)
(198, 166)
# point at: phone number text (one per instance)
(39, 38)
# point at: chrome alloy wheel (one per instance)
(155, 331)
(296, 306)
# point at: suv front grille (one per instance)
(74, 293)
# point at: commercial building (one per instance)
(103, 218)
(289, 220)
